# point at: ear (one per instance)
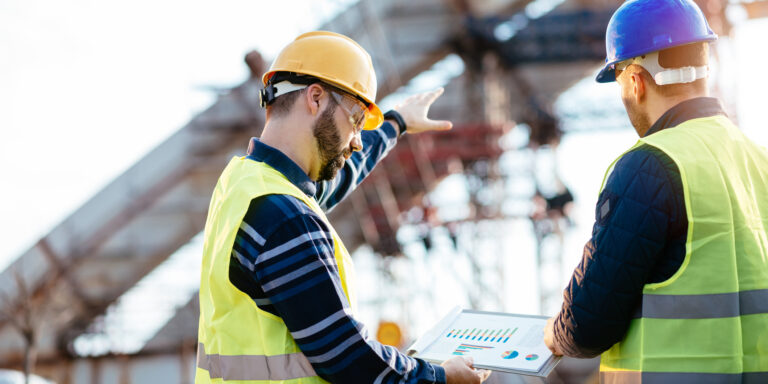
(637, 81)
(313, 97)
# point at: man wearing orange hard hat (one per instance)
(277, 292)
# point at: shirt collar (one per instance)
(258, 151)
(687, 110)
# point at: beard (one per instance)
(332, 153)
(639, 120)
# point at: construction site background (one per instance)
(119, 118)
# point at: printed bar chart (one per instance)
(499, 335)
(509, 335)
(497, 341)
(463, 349)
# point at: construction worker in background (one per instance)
(277, 292)
(673, 285)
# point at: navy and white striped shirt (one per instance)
(283, 259)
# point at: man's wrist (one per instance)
(439, 374)
(395, 116)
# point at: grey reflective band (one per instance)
(709, 306)
(254, 367)
(753, 302)
(632, 377)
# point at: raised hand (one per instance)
(414, 111)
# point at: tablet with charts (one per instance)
(496, 341)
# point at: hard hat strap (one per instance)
(681, 75)
(665, 76)
(284, 87)
(272, 91)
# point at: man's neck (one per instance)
(664, 104)
(283, 136)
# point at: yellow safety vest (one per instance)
(708, 323)
(238, 342)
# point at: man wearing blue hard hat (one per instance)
(673, 284)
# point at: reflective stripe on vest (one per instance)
(254, 367)
(709, 306)
(636, 377)
(708, 323)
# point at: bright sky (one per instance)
(88, 87)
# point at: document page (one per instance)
(493, 340)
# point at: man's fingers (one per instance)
(483, 373)
(552, 349)
(439, 125)
(469, 360)
(432, 96)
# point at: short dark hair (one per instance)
(283, 103)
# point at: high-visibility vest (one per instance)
(708, 323)
(237, 341)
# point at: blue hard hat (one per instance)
(644, 26)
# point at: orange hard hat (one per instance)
(335, 59)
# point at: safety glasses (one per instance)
(355, 110)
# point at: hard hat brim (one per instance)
(375, 118)
(607, 74)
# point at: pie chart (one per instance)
(509, 354)
(532, 357)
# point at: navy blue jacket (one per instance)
(638, 238)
